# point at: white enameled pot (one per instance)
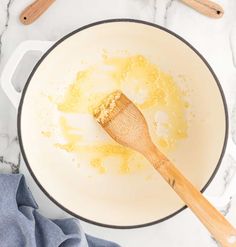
(114, 200)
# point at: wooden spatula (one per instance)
(206, 7)
(34, 10)
(124, 122)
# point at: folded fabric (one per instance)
(21, 225)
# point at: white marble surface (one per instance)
(215, 39)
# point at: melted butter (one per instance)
(66, 130)
(74, 94)
(163, 94)
(103, 151)
(97, 163)
(80, 97)
(150, 88)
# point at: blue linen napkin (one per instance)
(21, 225)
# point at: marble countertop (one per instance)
(214, 39)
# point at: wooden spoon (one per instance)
(34, 10)
(206, 7)
(124, 122)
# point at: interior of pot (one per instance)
(112, 198)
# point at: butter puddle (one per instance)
(152, 90)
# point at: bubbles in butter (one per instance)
(155, 92)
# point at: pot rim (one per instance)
(42, 59)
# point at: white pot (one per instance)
(114, 200)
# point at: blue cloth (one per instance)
(21, 225)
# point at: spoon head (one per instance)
(124, 122)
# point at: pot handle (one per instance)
(12, 63)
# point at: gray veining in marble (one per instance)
(168, 6)
(5, 22)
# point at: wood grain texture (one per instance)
(129, 128)
(206, 7)
(214, 221)
(34, 11)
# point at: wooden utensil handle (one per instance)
(34, 10)
(215, 222)
(206, 7)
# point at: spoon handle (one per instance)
(206, 7)
(34, 10)
(214, 221)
